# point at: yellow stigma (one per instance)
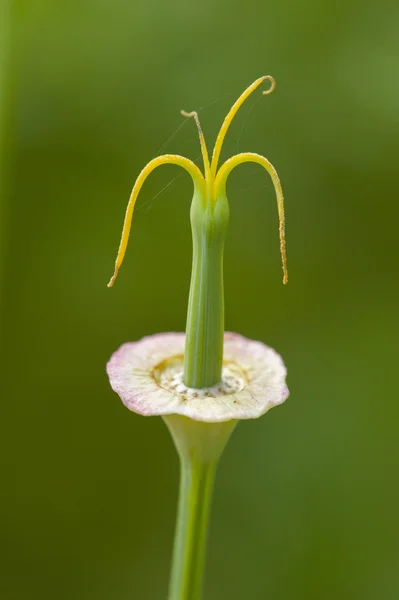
(213, 182)
(230, 116)
(220, 187)
(218, 179)
(204, 150)
(172, 159)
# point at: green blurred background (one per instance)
(306, 501)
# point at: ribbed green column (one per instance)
(203, 356)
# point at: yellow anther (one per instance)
(230, 116)
(204, 149)
(173, 159)
(220, 188)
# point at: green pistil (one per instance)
(203, 356)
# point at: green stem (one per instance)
(199, 446)
(196, 486)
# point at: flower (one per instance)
(148, 377)
(204, 381)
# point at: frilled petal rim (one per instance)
(131, 373)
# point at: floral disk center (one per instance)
(169, 376)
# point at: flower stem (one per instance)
(199, 446)
(196, 486)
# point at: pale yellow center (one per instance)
(169, 375)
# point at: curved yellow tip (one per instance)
(114, 276)
(173, 159)
(220, 187)
(193, 114)
(230, 116)
(272, 87)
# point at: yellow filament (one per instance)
(204, 149)
(230, 116)
(220, 185)
(173, 159)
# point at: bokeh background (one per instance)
(306, 500)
